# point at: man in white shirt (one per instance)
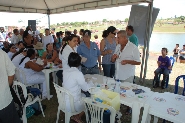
(2, 39)
(15, 38)
(8, 112)
(126, 57)
(21, 31)
(47, 38)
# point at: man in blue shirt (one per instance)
(132, 37)
(90, 51)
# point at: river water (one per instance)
(168, 40)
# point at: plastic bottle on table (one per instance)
(117, 88)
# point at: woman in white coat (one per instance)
(74, 82)
(33, 71)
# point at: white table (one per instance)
(134, 101)
(167, 106)
(47, 72)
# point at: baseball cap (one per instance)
(87, 33)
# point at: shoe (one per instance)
(163, 85)
(156, 85)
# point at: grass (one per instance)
(52, 105)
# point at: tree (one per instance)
(104, 20)
(126, 20)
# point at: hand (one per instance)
(34, 61)
(45, 62)
(124, 62)
(170, 67)
(115, 56)
(99, 68)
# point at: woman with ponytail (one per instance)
(107, 48)
(67, 49)
(33, 71)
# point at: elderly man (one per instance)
(21, 31)
(8, 113)
(126, 57)
(90, 51)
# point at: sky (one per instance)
(168, 9)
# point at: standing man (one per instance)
(15, 38)
(47, 38)
(21, 31)
(89, 50)
(131, 36)
(126, 57)
(8, 113)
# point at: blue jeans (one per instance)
(60, 74)
(93, 70)
(163, 71)
(108, 70)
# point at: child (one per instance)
(164, 67)
(176, 51)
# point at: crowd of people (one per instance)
(117, 53)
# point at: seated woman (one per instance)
(50, 54)
(12, 50)
(33, 71)
(16, 58)
(182, 55)
(74, 81)
(20, 45)
(164, 67)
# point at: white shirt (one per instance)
(74, 81)
(17, 59)
(130, 52)
(46, 40)
(1, 38)
(183, 55)
(65, 54)
(14, 39)
(10, 54)
(7, 69)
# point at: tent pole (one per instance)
(48, 13)
(148, 39)
(144, 48)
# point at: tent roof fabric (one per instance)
(61, 6)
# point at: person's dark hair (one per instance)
(74, 59)
(20, 43)
(17, 53)
(58, 34)
(61, 33)
(47, 45)
(87, 32)
(67, 33)
(9, 33)
(110, 29)
(69, 38)
(96, 36)
(177, 45)
(46, 29)
(82, 30)
(15, 30)
(11, 45)
(25, 34)
(29, 53)
(130, 28)
(164, 48)
(28, 28)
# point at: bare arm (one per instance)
(132, 62)
(102, 46)
(44, 55)
(10, 80)
(34, 66)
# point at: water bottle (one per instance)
(117, 88)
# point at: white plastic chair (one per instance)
(29, 101)
(96, 110)
(61, 94)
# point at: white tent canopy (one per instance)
(61, 6)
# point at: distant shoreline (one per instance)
(170, 32)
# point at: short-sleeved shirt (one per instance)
(130, 52)
(14, 39)
(91, 54)
(165, 62)
(7, 69)
(183, 55)
(133, 38)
